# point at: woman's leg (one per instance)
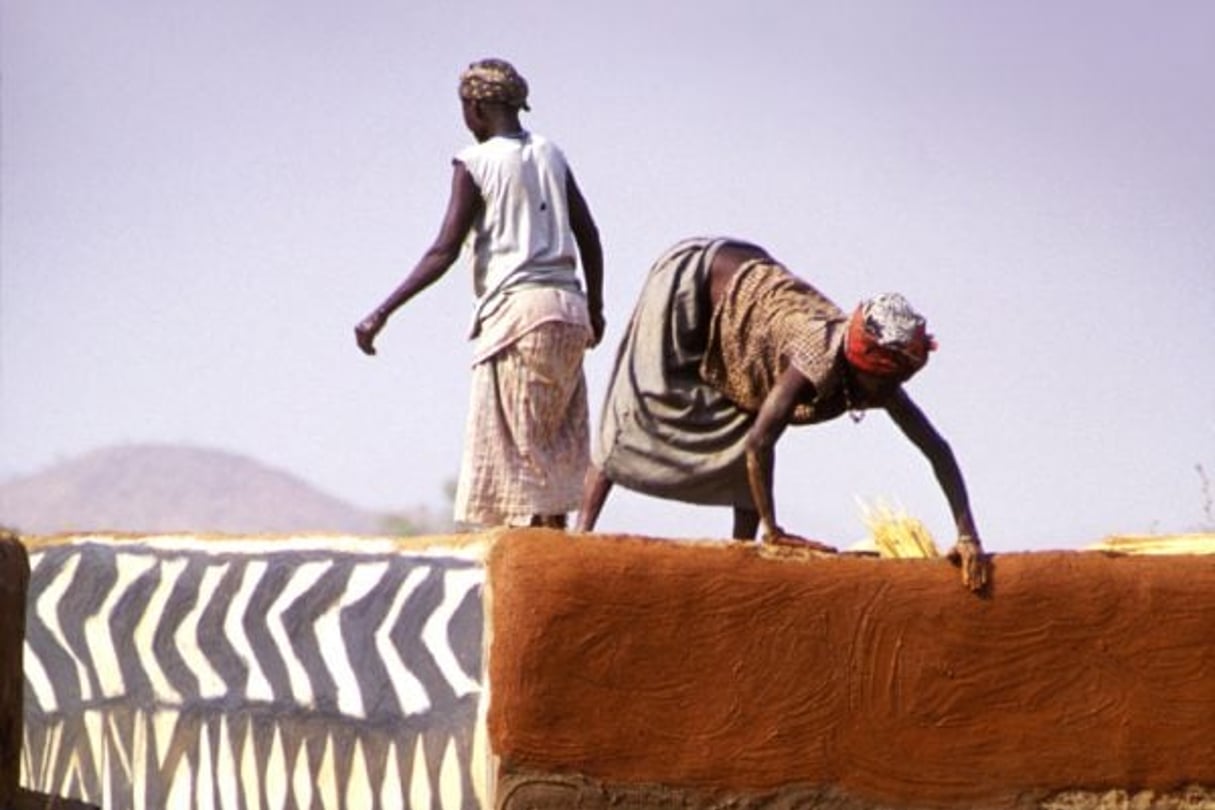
(549, 521)
(595, 489)
(746, 523)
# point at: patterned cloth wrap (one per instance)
(527, 439)
(494, 80)
(769, 319)
(689, 377)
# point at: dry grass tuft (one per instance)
(1194, 543)
(896, 534)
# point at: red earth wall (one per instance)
(628, 672)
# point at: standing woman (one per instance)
(515, 200)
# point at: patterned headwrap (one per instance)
(494, 80)
(887, 338)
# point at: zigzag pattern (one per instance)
(229, 675)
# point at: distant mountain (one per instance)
(167, 488)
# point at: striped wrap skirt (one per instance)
(527, 440)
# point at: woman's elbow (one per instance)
(586, 235)
(940, 454)
(758, 442)
(443, 255)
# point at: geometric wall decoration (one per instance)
(326, 673)
(192, 673)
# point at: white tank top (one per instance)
(522, 236)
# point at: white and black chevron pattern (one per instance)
(186, 673)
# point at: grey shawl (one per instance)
(664, 430)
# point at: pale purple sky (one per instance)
(199, 201)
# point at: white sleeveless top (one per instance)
(522, 237)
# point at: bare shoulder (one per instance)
(727, 260)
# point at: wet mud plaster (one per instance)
(708, 668)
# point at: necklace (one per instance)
(854, 413)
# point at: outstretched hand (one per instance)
(598, 325)
(779, 537)
(366, 331)
(969, 556)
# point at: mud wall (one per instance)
(14, 581)
(219, 672)
(327, 672)
(634, 673)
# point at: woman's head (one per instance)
(888, 339)
(494, 81)
(491, 93)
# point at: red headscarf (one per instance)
(866, 350)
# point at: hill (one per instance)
(168, 488)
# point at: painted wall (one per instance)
(326, 672)
(205, 672)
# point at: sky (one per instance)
(200, 200)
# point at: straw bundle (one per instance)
(1194, 543)
(896, 534)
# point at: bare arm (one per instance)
(586, 234)
(770, 423)
(915, 425)
(462, 208)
